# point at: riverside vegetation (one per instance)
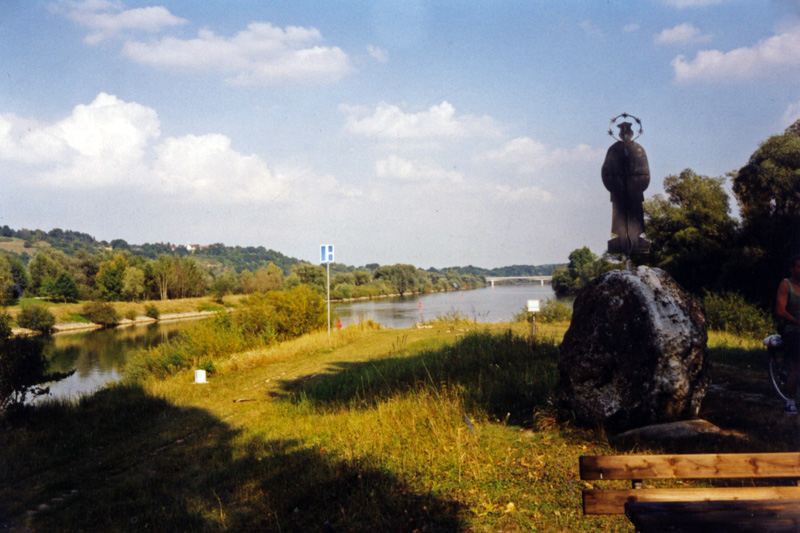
(446, 428)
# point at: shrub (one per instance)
(152, 311)
(5, 325)
(551, 311)
(102, 313)
(261, 319)
(297, 311)
(555, 311)
(729, 311)
(36, 317)
(130, 314)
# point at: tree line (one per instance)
(696, 240)
(121, 275)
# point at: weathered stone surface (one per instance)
(635, 353)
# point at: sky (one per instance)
(439, 133)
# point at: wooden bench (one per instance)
(766, 507)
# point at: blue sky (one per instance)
(432, 133)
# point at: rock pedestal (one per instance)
(635, 352)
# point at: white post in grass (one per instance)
(533, 308)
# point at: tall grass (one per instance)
(506, 376)
(260, 321)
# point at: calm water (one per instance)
(498, 304)
(99, 356)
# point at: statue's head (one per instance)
(625, 131)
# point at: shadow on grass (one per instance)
(123, 460)
(505, 375)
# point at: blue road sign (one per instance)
(326, 253)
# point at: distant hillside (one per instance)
(24, 243)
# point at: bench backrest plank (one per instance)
(691, 466)
(612, 501)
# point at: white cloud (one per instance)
(681, 4)
(107, 19)
(260, 55)
(396, 167)
(99, 144)
(527, 156)
(438, 122)
(109, 143)
(682, 34)
(767, 58)
(630, 28)
(506, 194)
(378, 53)
(206, 168)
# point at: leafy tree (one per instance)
(161, 275)
(19, 274)
(47, 264)
(583, 267)
(312, 275)
(690, 229)
(262, 280)
(361, 277)
(63, 287)
(111, 277)
(768, 191)
(7, 286)
(224, 284)
(133, 286)
(405, 278)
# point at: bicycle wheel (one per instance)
(779, 367)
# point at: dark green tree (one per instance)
(63, 287)
(405, 278)
(111, 277)
(583, 267)
(768, 191)
(690, 229)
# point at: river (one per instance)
(489, 304)
(99, 356)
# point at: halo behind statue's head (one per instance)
(625, 127)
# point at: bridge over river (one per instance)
(540, 279)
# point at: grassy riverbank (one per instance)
(440, 429)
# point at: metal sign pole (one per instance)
(326, 256)
(328, 265)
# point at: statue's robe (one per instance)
(626, 174)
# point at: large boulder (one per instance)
(635, 352)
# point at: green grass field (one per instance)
(440, 429)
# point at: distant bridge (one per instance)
(540, 279)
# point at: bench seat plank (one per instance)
(612, 501)
(710, 516)
(691, 466)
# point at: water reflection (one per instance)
(99, 356)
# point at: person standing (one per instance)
(787, 307)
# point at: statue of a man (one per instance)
(626, 174)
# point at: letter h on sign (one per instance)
(326, 253)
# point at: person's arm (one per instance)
(781, 301)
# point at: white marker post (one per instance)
(533, 307)
(326, 256)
